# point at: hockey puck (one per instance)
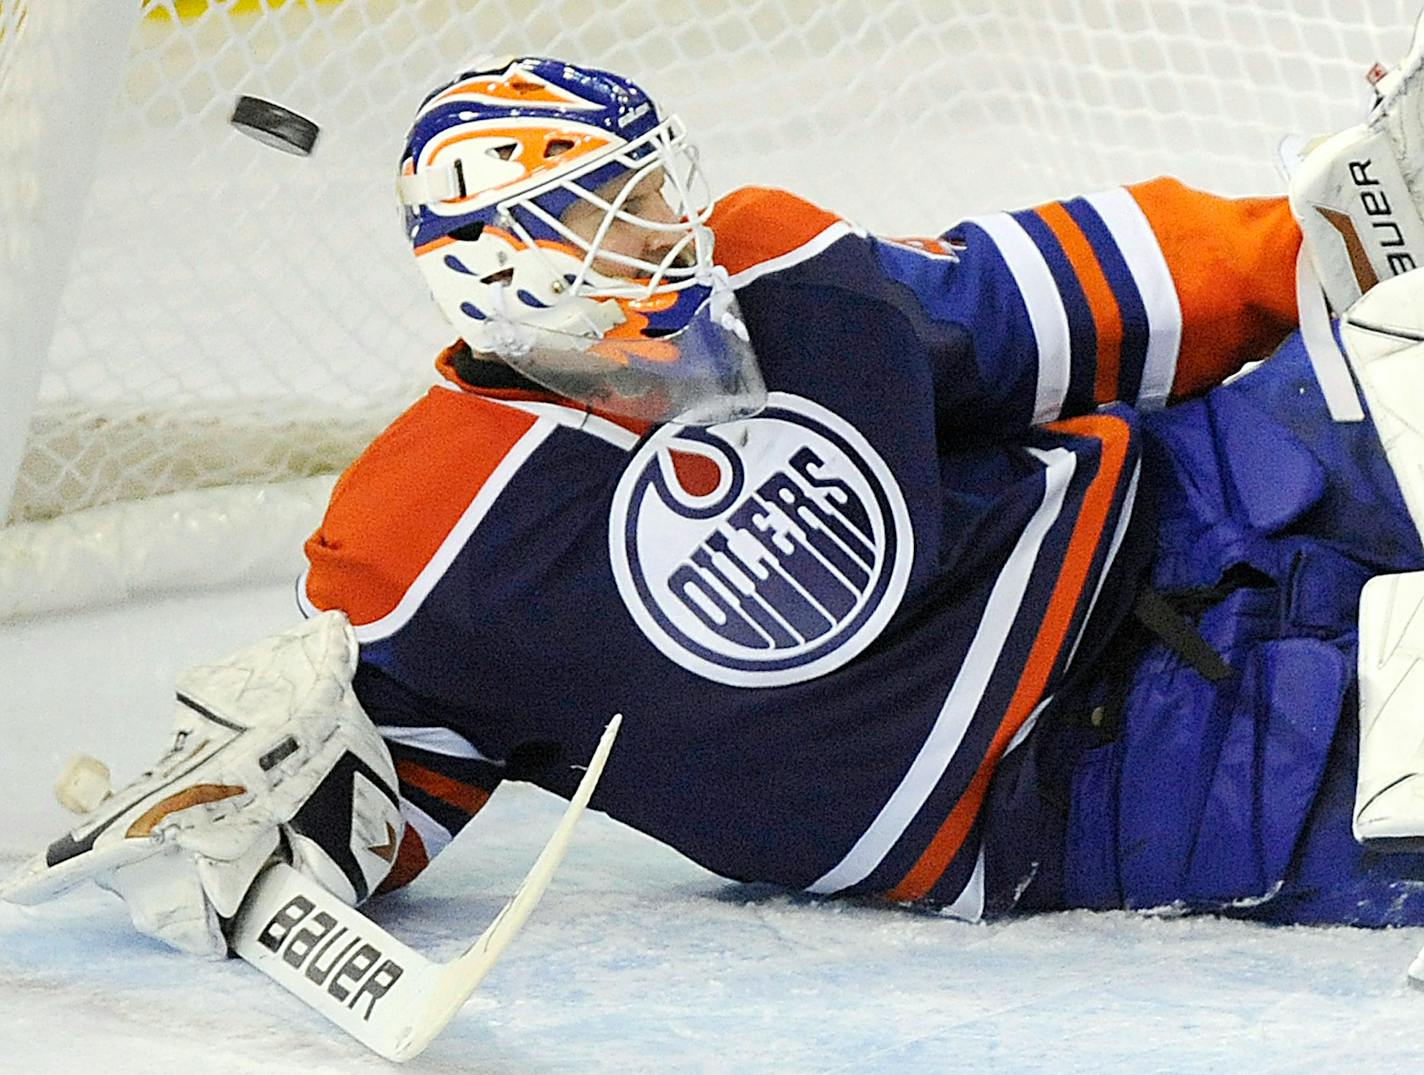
(273, 125)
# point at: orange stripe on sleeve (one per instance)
(411, 859)
(1102, 303)
(395, 505)
(1083, 543)
(467, 798)
(1233, 263)
(756, 224)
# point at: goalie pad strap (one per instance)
(1318, 337)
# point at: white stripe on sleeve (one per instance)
(1000, 615)
(434, 740)
(1134, 237)
(1045, 310)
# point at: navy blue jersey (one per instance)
(824, 625)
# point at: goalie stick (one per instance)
(380, 991)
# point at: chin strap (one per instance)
(724, 302)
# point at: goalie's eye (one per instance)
(503, 152)
(558, 147)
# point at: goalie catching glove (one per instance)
(272, 757)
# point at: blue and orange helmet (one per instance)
(495, 161)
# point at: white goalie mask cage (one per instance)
(522, 224)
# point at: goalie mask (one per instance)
(560, 223)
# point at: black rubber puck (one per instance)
(273, 125)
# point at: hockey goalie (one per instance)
(1042, 563)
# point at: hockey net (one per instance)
(198, 332)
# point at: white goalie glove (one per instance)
(1359, 194)
(272, 756)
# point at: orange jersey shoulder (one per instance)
(396, 504)
(755, 226)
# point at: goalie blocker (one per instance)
(273, 761)
(272, 757)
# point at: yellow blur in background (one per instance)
(162, 10)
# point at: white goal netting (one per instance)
(209, 325)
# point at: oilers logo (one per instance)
(764, 551)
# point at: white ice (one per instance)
(637, 960)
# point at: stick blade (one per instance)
(333, 958)
(459, 978)
(373, 986)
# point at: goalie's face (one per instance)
(642, 231)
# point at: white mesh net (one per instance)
(235, 316)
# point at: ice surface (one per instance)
(638, 961)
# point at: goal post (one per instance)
(44, 45)
(193, 344)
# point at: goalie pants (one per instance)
(1235, 796)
